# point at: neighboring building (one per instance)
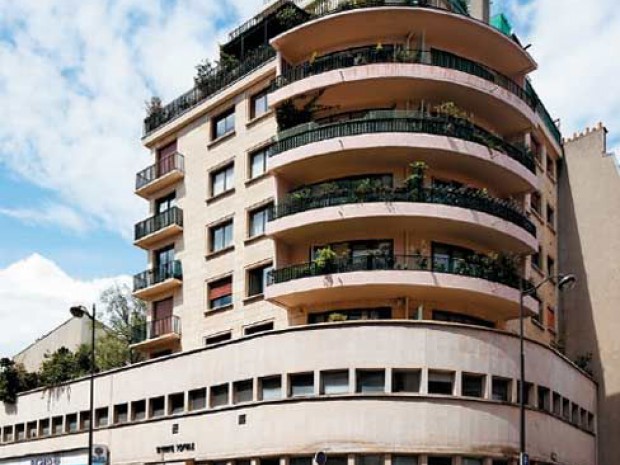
(71, 334)
(334, 221)
(590, 248)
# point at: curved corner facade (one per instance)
(340, 225)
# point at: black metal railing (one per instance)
(472, 199)
(156, 328)
(477, 266)
(172, 270)
(173, 215)
(164, 166)
(328, 7)
(219, 79)
(400, 122)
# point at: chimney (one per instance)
(480, 9)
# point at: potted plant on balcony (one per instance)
(415, 181)
(289, 17)
(325, 259)
(336, 317)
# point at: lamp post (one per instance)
(564, 282)
(81, 312)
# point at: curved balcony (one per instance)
(158, 228)
(160, 280)
(478, 279)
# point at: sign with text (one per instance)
(176, 448)
(100, 457)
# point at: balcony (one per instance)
(479, 280)
(161, 280)
(165, 173)
(159, 227)
(156, 334)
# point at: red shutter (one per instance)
(162, 309)
(220, 288)
(165, 158)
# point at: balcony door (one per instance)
(165, 158)
(162, 318)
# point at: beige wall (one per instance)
(590, 248)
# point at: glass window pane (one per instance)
(302, 384)
(370, 381)
(219, 395)
(258, 164)
(404, 460)
(406, 381)
(473, 385)
(271, 388)
(243, 391)
(335, 382)
(440, 382)
(470, 461)
(198, 399)
(369, 460)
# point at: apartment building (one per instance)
(342, 217)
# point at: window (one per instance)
(301, 461)
(566, 409)
(536, 150)
(258, 163)
(301, 384)
(550, 266)
(217, 338)
(270, 461)
(31, 430)
(7, 434)
(157, 407)
(121, 413)
(536, 202)
(222, 180)
(258, 220)
(528, 393)
(404, 460)
(440, 382)
(575, 415)
(259, 104)
(101, 417)
(551, 319)
(550, 167)
(500, 462)
(222, 236)
(270, 388)
(453, 317)
(501, 389)
(250, 330)
(176, 403)
(219, 395)
(165, 203)
(406, 380)
(197, 399)
(550, 216)
(370, 381)
(544, 398)
(537, 259)
(138, 410)
(369, 460)
(557, 404)
(20, 432)
(220, 293)
(223, 124)
(44, 427)
(84, 420)
(472, 461)
(473, 385)
(71, 423)
(257, 280)
(439, 461)
(382, 313)
(243, 391)
(56, 426)
(590, 424)
(335, 382)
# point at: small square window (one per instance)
(157, 407)
(262, 328)
(501, 389)
(406, 380)
(441, 382)
(370, 381)
(404, 460)
(243, 391)
(121, 414)
(257, 280)
(176, 403)
(221, 236)
(473, 385)
(57, 426)
(258, 163)
(528, 393)
(335, 382)
(219, 395)
(258, 220)
(197, 399)
(223, 124)
(220, 293)
(472, 461)
(270, 388)
(369, 460)
(301, 384)
(44, 427)
(138, 410)
(101, 417)
(71, 425)
(222, 180)
(259, 104)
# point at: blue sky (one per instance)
(74, 77)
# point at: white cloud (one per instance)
(49, 215)
(36, 295)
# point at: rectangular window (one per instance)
(157, 407)
(259, 104)
(270, 461)
(590, 425)
(370, 381)
(264, 327)
(301, 384)
(197, 399)
(270, 388)
(31, 430)
(406, 380)
(84, 420)
(335, 382)
(258, 163)
(301, 461)
(537, 259)
(44, 427)
(176, 403)
(441, 382)
(138, 410)
(536, 150)
(550, 266)
(220, 293)
(222, 180)
(404, 460)
(551, 216)
(500, 462)
(528, 392)
(57, 426)
(369, 460)
(221, 236)
(20, 432)
(243, 391)
(101, 417)
(557, 404)
(501, 389)
(351, 314)
(473, 385)
(544, 399)
(257, 280)
(439, 461)
(550, 167)
(461, 318)
(217, 338)
(258, 220)
(575, 415)
(536, 202)
(71, 423)
(7, 434)
(566, 409)
(224, 123)
(164, 204)
(472, 461)
(219, 395)
(121, 414)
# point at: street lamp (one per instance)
(80, 312)
(565, 282)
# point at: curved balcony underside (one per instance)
(460, 34)
(376, 85)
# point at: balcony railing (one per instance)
(158, 275)
(400, 122)
(473, 199)
(161, 168)
(154, 329)
(477, 266)
(158, 222)
(328, 7)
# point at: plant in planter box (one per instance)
(336, 317)
(325, 258)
